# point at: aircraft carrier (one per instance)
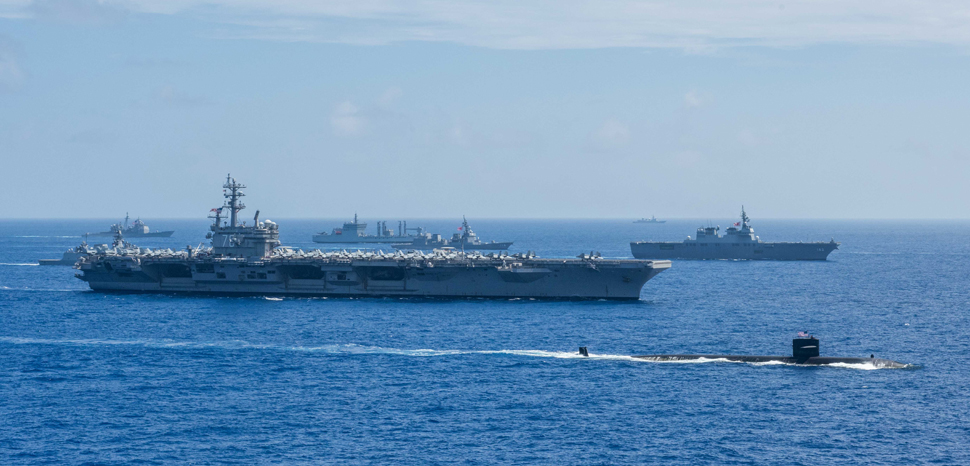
(739, 242)
(248, 259)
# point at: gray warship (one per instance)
(354, 232)
(467, 240)
(136, 229)
(73, 255)
(652, 219)
(248, 260)
(739, 242)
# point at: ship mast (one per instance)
(744, 218)
(235, 192)
(218, 218)
(464, 233)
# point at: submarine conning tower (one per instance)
(804, 348)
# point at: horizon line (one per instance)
(631, 219)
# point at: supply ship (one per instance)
(248, 259)
(739, 242)
(355, 233)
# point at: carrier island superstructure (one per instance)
(248, 259)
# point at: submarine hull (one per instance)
(813, 361)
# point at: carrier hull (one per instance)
(733, 251)
(530, 278)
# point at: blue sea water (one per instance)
(157, 379)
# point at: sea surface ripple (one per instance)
(89, 378)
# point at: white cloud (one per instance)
(88, 12)
(390, 96)
(748, 138)
(692, 100)
(613, 133)
(551, 24)
(11, 74)
(90, 137)
(346, 120)
(688, 159)
(14, 9)
(173, 96)
(458, 134)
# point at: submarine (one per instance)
(805, 352)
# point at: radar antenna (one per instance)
(119, 239)
(217, 215)
(744, 218)
(235, 192)
(464, 233)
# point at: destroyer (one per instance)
(354, 233)
(249, 260)
(739, 243)
(652, 219)
(467, 240)
(136, 229)
(71, 256)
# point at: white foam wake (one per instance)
(356, 349)
(861, 366)
(32, 290)
(17, 263)
(350, 348)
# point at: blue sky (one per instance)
(490, 109)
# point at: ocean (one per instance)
(91, 378)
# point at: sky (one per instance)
(498, 109)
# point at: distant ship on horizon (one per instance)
(652, 219)
(466, 240)
(739, 242)
(137, 229)
(354, 233)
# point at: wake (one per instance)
(355, 349)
